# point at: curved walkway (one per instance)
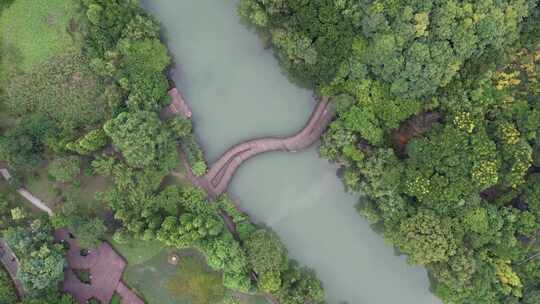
(217, 179)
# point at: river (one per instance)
(237, 91)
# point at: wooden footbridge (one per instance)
(217, 179)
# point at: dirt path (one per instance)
(27, 195)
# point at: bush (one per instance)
(7, 290)
(194, 155)
(65, 169)
(116, 299)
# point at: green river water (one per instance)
(237, 92)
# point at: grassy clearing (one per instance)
(36, 30)
(192, 280)
(51, 193)
(39, 184)
(150, 279)
(137, 252)
(90, 185)
(153, 279)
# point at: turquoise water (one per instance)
(237, 91)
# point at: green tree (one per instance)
(300, 285)
(180, 127)
(41, 261)
(18, 213)
(141, 138)
(532, 297)
(91, 142)
(267, 257)
(426, 238)
(22, 146)
(51, 295)
(142, 66)
(65, 169)
(43, 268)
(88, 230)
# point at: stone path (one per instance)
(105, 267)
(27, 195)
(104, 264)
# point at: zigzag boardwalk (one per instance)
(217, 179)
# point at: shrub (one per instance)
(65, 169)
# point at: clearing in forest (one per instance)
(33, 31)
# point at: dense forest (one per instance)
(437, 128)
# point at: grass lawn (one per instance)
(137, 252)
(41, 186)
(36, 30)
(50, 191)
(156, 277)
(18, 201)
(190, 282)
(195, 282)
(85, 194)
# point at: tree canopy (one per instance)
(41, 261)
(436, 128)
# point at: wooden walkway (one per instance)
(217, 179)
(178, 105)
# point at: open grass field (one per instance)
(137, 252)
(42, 186)
(197, 283)
(187, 283)
(90, 185)
(190, 282)
(33, 31)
